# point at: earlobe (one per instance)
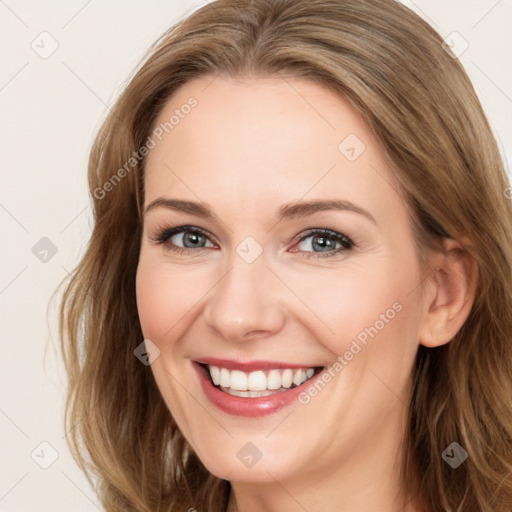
(453, 284)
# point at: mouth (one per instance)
(258, 383)
(253, 388)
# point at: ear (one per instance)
(451, 292)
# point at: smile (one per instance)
(258, 383)
(253, 389)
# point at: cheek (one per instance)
(365, 303)
(164, 297)
(352, 309)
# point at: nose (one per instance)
(245, 304)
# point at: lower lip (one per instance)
(250, 407)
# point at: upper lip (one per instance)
(249, 366)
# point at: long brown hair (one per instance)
(392, 68)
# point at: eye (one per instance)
(183, 238)
(324, 243)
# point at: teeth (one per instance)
(225, 378)
(238, 380)
(250, 394)
(258, 383)
(274, 379)
(297, 377)
(286, 378)
(215, 374)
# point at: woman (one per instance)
(301, 209)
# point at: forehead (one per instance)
(273, 138)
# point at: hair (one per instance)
(417, 100)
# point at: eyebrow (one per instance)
(286, 212)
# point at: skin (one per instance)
(247, 148)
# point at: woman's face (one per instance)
(297, 255)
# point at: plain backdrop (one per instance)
(51, 106)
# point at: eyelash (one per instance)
(164, 234)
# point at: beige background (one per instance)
(50, 109)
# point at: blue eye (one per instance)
(317, 243)
(324, 243)
(190, 238)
